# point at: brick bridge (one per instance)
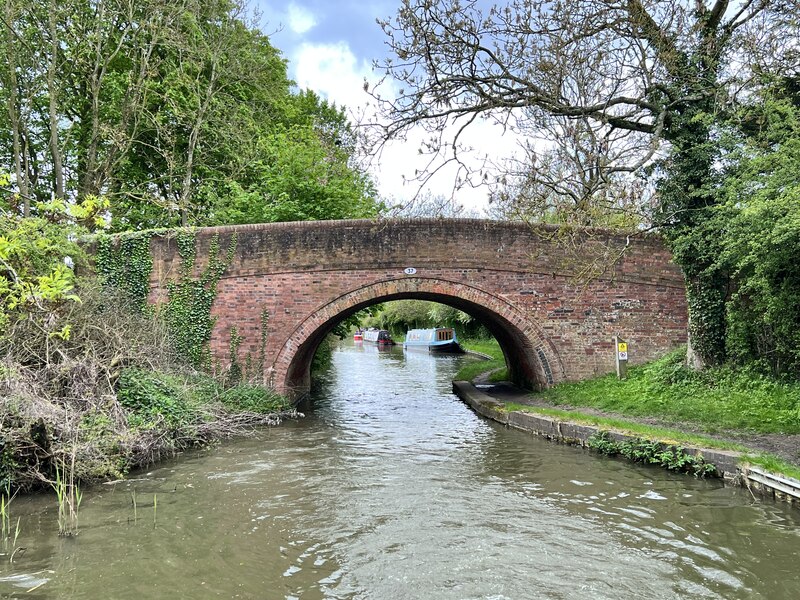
(528, 285)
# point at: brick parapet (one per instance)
(296, 270)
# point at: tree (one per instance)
(74, 88)
(662, 72)
(571, 181)
(36, 278)
(762, 233)
(178, 112)
(428, 205)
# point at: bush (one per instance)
(250, 398)
(113, 394)
(151, 397)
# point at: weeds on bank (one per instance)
(115, 393)
(651, 452)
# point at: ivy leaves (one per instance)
(188, 310)
(125, 262)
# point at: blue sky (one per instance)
(331, 46)
(327, 22)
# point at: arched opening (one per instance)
(532, 360)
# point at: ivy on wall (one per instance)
(262, 346)
(124, 261)
(235, 369)
(188, 309)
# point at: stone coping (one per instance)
(729, 464)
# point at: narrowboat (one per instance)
(438, 339)
(358, 336)
(380, 337)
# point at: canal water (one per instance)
(391, 488)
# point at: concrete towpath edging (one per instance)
(729, 464)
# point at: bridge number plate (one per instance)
(409, 271)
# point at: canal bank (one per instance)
(503, 402)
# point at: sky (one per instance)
(330, 46)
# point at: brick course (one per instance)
(529, 285)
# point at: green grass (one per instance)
(716, 399)
(484, 346)
(662, 434)
(774, 464)
(497, 363)
(769, 462)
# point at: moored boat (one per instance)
(380, 337)
(438, 339)
(358, 336)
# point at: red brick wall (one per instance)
(553, 301)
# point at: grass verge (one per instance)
(714, 401)
(770, 462)
(662, 434)
(496, 364)
(717, 399)
(773, 464)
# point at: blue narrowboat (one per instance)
(380, 337)
(438, 339)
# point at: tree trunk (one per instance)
(55, 149)
(14, 115)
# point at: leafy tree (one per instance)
(401, 315)
(640, 72)
(178, 112)
(36, 278)
(762, 234)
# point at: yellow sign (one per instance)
(622, 347)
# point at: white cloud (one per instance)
(334, 72)
(300, 18)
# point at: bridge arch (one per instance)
(532, 358)
(288, 284)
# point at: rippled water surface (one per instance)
(392, 488)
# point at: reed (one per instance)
(13, 542)
(69, 498)
(9, 534)
(5, 517)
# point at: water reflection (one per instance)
(392, 488)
